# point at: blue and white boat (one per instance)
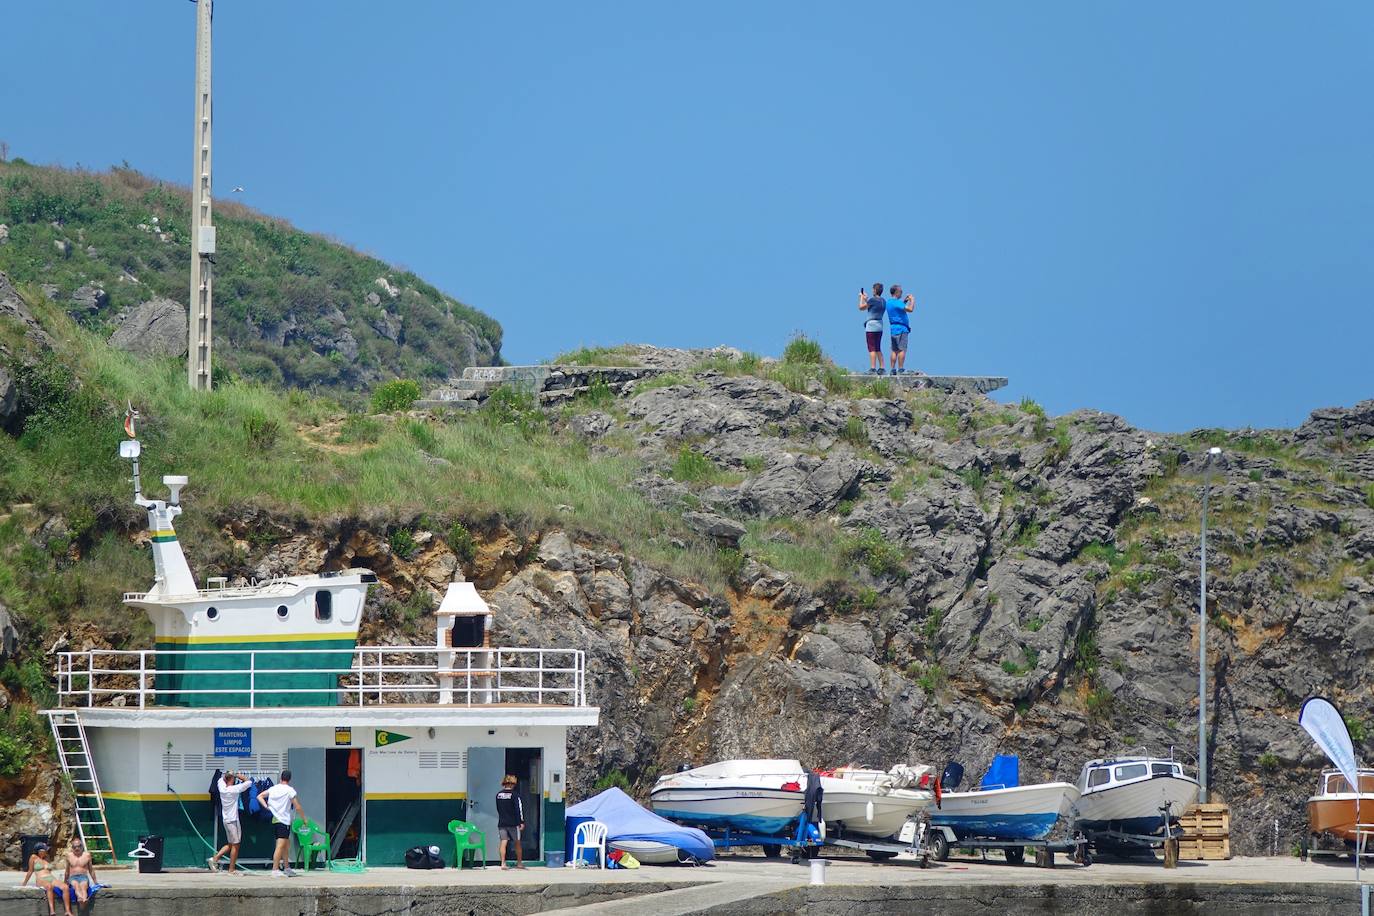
(758, 796)
(1133, 794)
(1001, 809)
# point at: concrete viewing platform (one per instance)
(740, 884)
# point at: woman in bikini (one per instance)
(40, 869)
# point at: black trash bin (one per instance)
(150, 865)
(28, 842)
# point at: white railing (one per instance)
(369, 676)
(278, 585)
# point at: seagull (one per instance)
(237, 190)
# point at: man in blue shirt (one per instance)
(899, 325)
(875, 306)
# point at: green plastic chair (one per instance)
(467, 838)
(306, 832)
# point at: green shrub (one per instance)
(881, 557)
(1031, 407)
(1268, 761)
(613, 779)
(403, 544)
(422, 435)
(1010, 667)
(691, 466)
(461, 542)
(261, 431)
(1027, 535)
(14, 755)
(598, 395)
(397, 394)
(1035, 624)
(932, 678)
(689, 704)
(836, 380)
(731, 562)
(595, 356)
(867, 598)
(975, 479)
(1059, 447)
(1357, 728)
(1099, 703)
(801, 350)
(754, 463)
(359, 428)
(1085, 653)
(515, 408)
(854, 432)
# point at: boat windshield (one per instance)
(1165, 769)
(1336, 784)
(1132, 771)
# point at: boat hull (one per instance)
(772, 812)
(869, 813)
(1135, 807)
(1335, 814)
(1018, 813)
(647, 852)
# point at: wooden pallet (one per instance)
(1205, 849)
(1206, 833)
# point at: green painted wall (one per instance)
(282, 655)
(181, 848)
(393, 826)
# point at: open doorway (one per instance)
(343, 801)
(526, 764)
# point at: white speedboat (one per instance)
(875, 803)
(1133, 794)
(1002, 809)
(758, 796)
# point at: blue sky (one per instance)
(1161, 210)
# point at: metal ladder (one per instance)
(74, 753)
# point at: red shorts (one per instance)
(875, 341)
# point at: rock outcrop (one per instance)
(155, 328)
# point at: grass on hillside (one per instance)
(248, 443)
(267, 275)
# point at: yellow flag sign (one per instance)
(386, 739)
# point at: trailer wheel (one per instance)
(1015, 855)
(939, 846)
(772, 852)
(880, 855)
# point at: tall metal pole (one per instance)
(1202, 638)
(202, 228)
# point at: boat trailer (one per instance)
(1107, 841)
(942, 840)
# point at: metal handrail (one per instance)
(373, 675)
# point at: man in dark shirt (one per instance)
(510, 819)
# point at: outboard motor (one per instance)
(953, 775)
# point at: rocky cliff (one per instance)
(776, 561)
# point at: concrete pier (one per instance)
(740, 884)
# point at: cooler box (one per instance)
(570, 827)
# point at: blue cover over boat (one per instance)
(625, 819)
(1005, 773)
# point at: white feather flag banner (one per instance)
(1324, 723)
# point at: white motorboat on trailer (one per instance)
(1001, 809)
(1133, 794)
(758, 796)
(875, 803)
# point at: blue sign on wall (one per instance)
(233, 742)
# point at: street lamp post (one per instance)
(1213, 452)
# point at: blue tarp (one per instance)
(626, 820)
(1005, 773)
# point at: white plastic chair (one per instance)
(590, 835)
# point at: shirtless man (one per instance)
(80, 872)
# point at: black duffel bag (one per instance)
(424, 857)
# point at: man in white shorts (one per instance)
(231, 785)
